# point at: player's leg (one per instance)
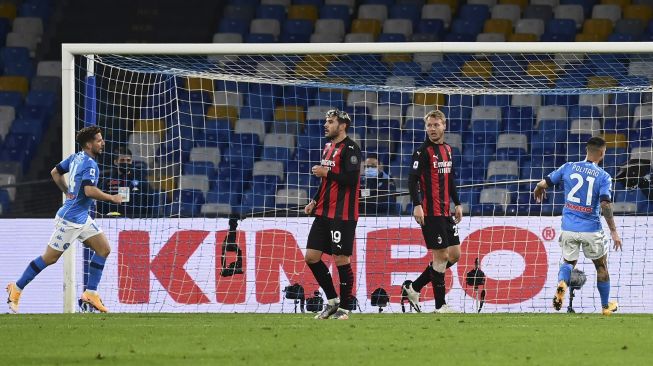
(453, 251)
(59, 240)
(342, 245)
(319, 239)
(595, 247)
(95, 239)
(570, 250)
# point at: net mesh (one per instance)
(236, 135)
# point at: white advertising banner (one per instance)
(177, 265)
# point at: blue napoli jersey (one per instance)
(83, 171)
(586, 185)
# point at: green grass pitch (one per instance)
(297, 339)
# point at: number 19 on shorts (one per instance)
(336, 236)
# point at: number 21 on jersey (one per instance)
(571, 196)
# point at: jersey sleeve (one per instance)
(352, 159)
(556, 176)
(90, 173)
(418, 163)
(605, 189)
(64, 166)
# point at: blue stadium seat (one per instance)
(565, 27)
(259, 38)
(200, 168)
(466, 27)
(298, 26)
(407, 69)
(240, 26)
(336, 12)
(277, 12)
(238, 11)
(457, 37)
(431, 26)
(35, 112)
(41, 98)
(218, 133)
(474, 12)
(391, 37)
(190, 202)
(583, 111)
(32, 127)
(494, 100)
(244, 155)
(259, 108)
(406, 11)
(330, 99)
(281, 154)
(518, 119)
(38, 9)
(12, 98)
(619, 37)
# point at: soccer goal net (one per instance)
(215, 132)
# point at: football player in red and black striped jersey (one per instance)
(433, 189)
(335, 207)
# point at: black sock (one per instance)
(449, 264)
(323, 277)
(423, 279)
(346, 284)
(437, 278)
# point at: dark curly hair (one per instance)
(87, 134)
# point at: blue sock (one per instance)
(564, 274)
(604, 291)
(34, 268)
(95, 271)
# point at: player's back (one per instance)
(83, 170)
(586, 184)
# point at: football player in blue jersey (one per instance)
(587, 194)
(73, 221)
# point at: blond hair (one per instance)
(437, 114)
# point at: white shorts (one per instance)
(595, 245)
(66, 232)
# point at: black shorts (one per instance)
(440, 232)
(334, 237)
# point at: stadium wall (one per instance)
(173, 265)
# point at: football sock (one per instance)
(34, 268)
(423, 279)
(564, 274)
(95, 269)
(437, 278)
(346, 283)
(323, 278)
(604, 291)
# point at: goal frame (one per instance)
(70, 50)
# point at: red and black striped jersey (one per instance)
(435, 186)
(337, 197)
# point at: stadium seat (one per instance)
(551, 112)
(641, 12)
(526, 100)
(490, 37)
(227, 38)
(8, 10)
(411, 12)
(326, 38)
(209, 154)
(336, 12)
(598, 27)
(268, 168)
(501, 26)
(238, 11)
(570, 11)
(330, 26)
(546, 69)
(223, 112)
(477, 69)
(7, 116)
(291, 198)
(8, 179)
(369, 26)
(270, 11)
(606, 11)
(543, 12)
(492, 201)
(398, 26)
(14, 83)
(373, 11)
(511, 146)
(218, 209)
(506, 11)
(530, 26)
(503, 170)
(30, 25)
(240, 26)
(251, 126)
(475, 13)
(633, 27)
(304, 12)
(265, 26)
(437, 11)
(454, 140)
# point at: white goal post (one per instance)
(70, 51)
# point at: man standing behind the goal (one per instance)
(432, 189)
(335, 207)
(587, 187)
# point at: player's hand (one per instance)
(539, 194)
(617, 240)
(320, 171)
(116, 198)
(309, 208)
(458, 214)
(418, 214)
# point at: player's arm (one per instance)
(95, 193)
(57, 174)
(350, 173)
(608, 212)
(413, 187)
(549, 181)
